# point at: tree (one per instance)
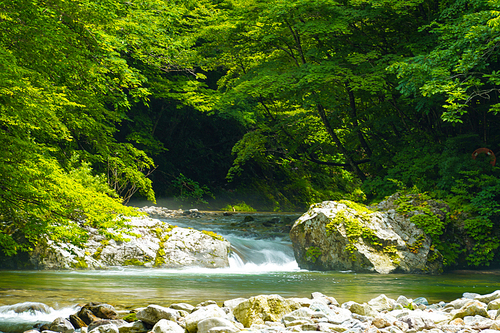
(68, 77)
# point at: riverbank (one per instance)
(273, 313)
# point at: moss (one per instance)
(351, 249)
(213, 235)
(97, 253)
(417, 245)
(133, 262)
(131, 317)
(80, 263)
(358, 208)
(313, 253)
(392, 252)
(354, 228)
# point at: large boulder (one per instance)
(149, 243)
(342, 235)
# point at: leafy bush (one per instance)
(190, 190)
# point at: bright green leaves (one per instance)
(463, 67)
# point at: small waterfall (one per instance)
(261, 255)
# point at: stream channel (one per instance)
(262, 262)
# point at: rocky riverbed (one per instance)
(273, 313)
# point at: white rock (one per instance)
(205, 325)
(210, 311)
(381, 303)
(108, 328)
(167, 326)
(154, 313)
(489, 297)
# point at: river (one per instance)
(262, 262)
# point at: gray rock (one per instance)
(470, 295)
(102, 322)
(381, 303)
(321, 241)
(61, 325)
(326, 299)
(472, 308)
(421, 301)
(403, 301)
(167, 326)
(211, 311)
(494, 305)
(107, 328)
(207, 324)
(361, 309)
(489, 297)
(223, 330)
(134, 327)
(182, 306)
(154, 313)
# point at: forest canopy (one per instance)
(277, 103)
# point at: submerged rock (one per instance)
(342, 235)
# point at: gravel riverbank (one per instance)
(275, 314)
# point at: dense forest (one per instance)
(229, 103)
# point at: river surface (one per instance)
(262, 262)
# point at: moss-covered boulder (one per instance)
(343, 235)
(147, 243)
(264, 308)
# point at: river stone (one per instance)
(458, 303)
(302, 313)
(76, 321)
(100, 310)
(262, 308)
(494, 305)
(232, 303)
(472, 308)
(182, 306)
(361, 309)
(381, 303)
(167, 326)
(380, 322)
(102, 322)
(489, 297)
(205, 325)
(326, 299)
(211, 311)
(154, 313)
(321, 242)
(223, 330)
(61, 325)
(87, 316)
(107, 328)
(134, 327)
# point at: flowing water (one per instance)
(262, 262)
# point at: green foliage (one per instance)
(478, 194)
(190, 190)
(239, 207)
(130, 318)
(313, 253)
